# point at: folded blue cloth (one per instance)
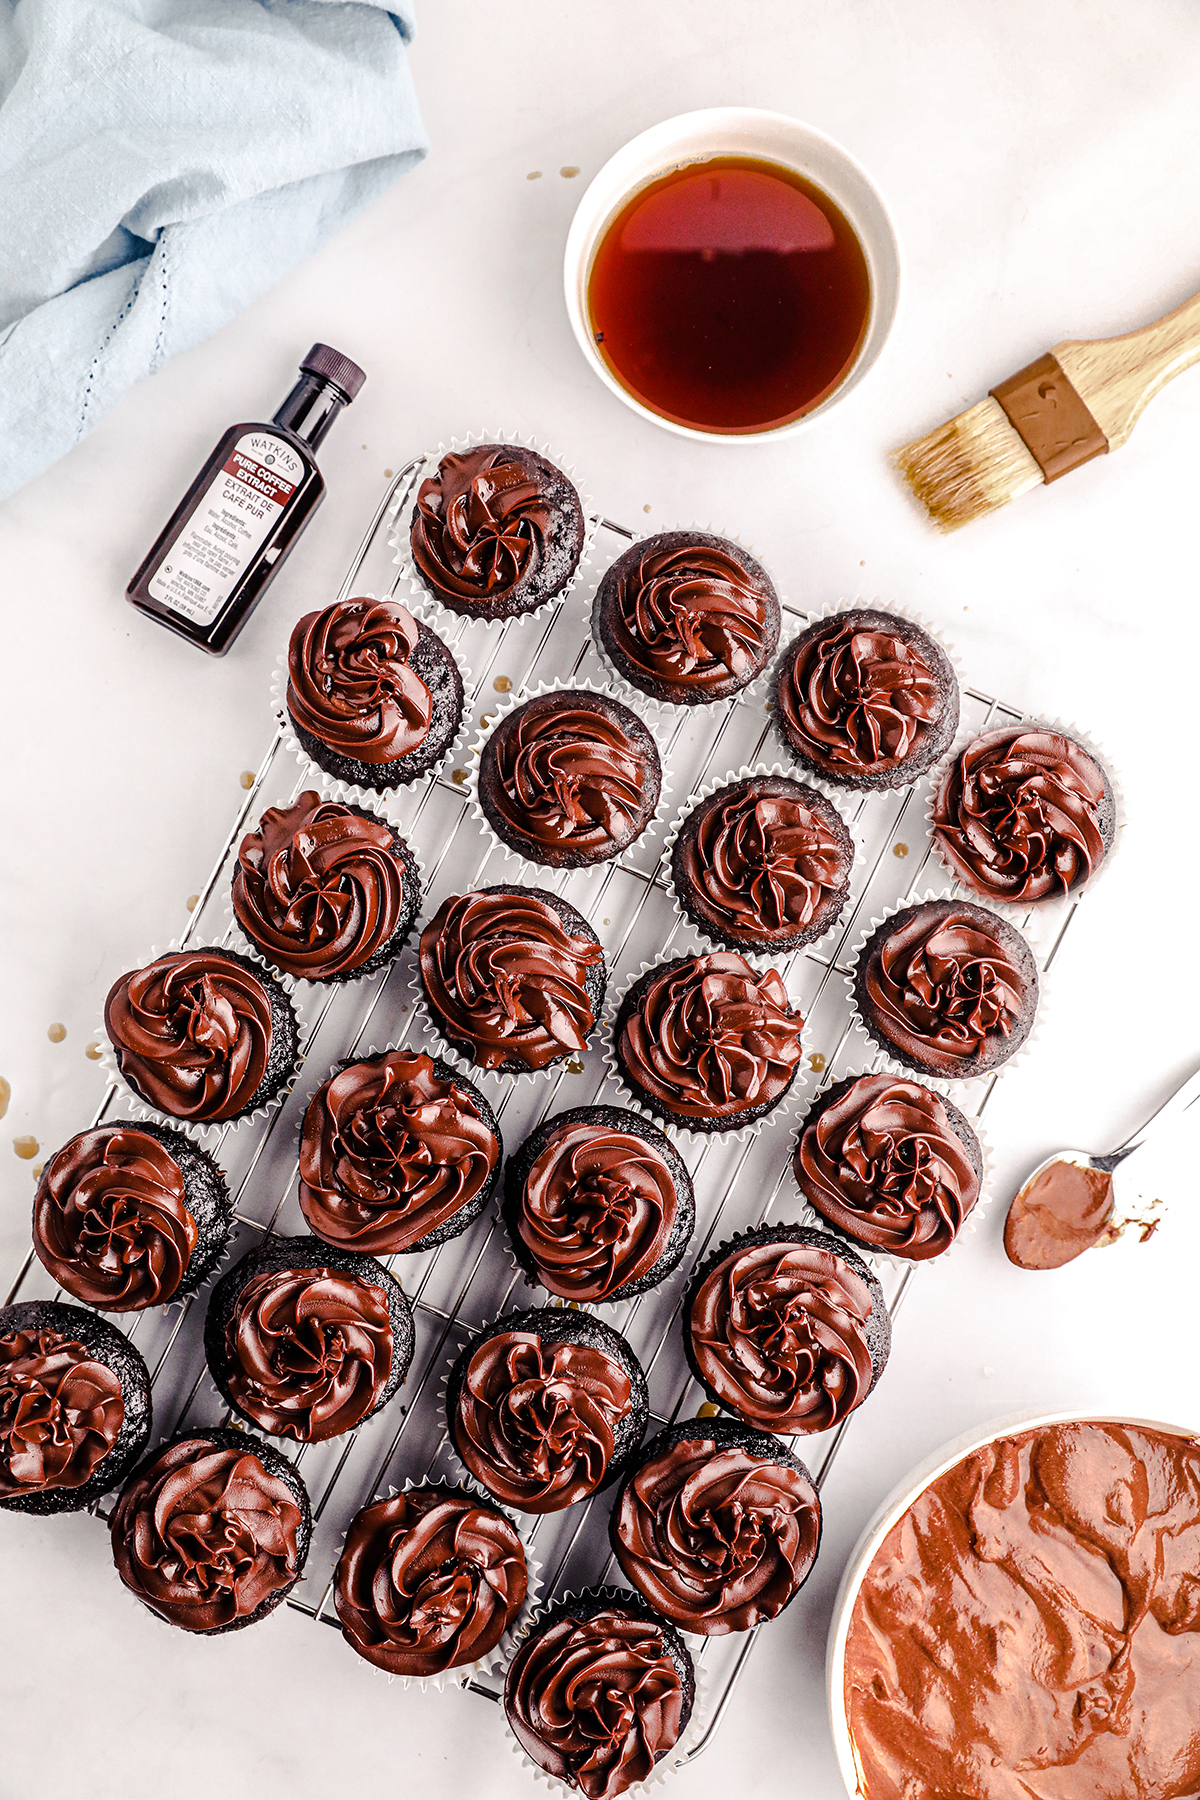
(162, 162)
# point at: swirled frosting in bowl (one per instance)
(709, 1039)
(429, 1580)
(866, 698)
(717, 1528)
(595, 1698)
(883, 1160)
(351, 684)
(687, 617)
(948, 987)
(1023, 814)
(779, 1330)
(206, 1536)
(496, 529)
(111, 1220)
(569, 777)
(61, 1412)
(392, 1150)
(514, 974)
(321, 888)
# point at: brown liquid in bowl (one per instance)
(730, 295)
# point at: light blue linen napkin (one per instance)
(162, 162)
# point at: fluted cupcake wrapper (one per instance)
(1017, 910)
(382, 799)
(208, 1133)
(760, 771)
(675, 1128)
(495, 718)
(675, 1759)
(424, 601)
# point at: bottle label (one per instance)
(227, 527)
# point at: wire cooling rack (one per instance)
(468, 1281)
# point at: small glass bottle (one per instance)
(229, 534)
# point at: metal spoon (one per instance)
(1068, 1205)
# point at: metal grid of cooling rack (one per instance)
(468, 1281)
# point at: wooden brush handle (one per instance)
(1116, 377)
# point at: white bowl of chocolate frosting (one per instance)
(1021, 1619)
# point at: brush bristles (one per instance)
(968, 467)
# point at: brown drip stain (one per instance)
(569, 171)
(5, 1095)
(56, 1032)
(502, 684)
(575, 1067)
(193, 901)
(93, 1052)
(707, 1411)
(458, 776)
(485, 720)
(899, 849)
(534, 175)
(816, 1062)
(26, 1148)
(36, 1171)
(646, 508)
(388, 473)
(247, 778)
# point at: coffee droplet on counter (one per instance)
(502, 684)
(816, 1062)
(458, 776)
(388, 473)
(56, 1032)
(36, 1171)
(26, 1148)
(575, 1067)
(5, 1095)
(899, 849)
(569, 170)
(485, 720)
(193, 901)
(534, 175)
(247, 778)
(707, 1411)
(93, 1051)
(646, 508)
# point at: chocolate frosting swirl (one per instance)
(309, 1351)
(689, 616)
(350, 683)
(192, 1031)
(596, 1210)
(595, 1701)
(562, 771)
(716, 1538)
(1017, 815)
(762, 863)
(481, 522)
(61, 1412)
(204, 1535)
(319, 887)
(944, 988)
(504, 974)
(111, 1220)
(535, 1422)
(710, 1038)
(883, 1163)
(778, 1332)
(428, 1581)
(389, 1151)
(857, 697)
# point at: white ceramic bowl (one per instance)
(894, 1508)
(737, 131)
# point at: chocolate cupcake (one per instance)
(325, 892)
(763, 864)
(74, 1407)
(306, 1341)
(708, 1042)
(947, 988)
(374, 696)
(569, 778)
(892, 1164)
(598, 1205)
(866, 699)
(787, 1328)
(717, 1527)
(1024, 814)
(496, 531)
(687, 617)
(429, 1581)
(514, 977)
(545, 1407)
(212, 1530)
(398, 1153)
(599, 1691)
(128, 1216)
(202, 1035)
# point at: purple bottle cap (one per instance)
(332, 366)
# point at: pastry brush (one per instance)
(1079, 401)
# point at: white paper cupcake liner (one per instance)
(676, 1758)
(425, 602)
(382, 798)
(949, 1085)
(1017, 910)
(208, 1133)
(761, 958)
(675, 1128)
(509, 704)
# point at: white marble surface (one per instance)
(1040, 162)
